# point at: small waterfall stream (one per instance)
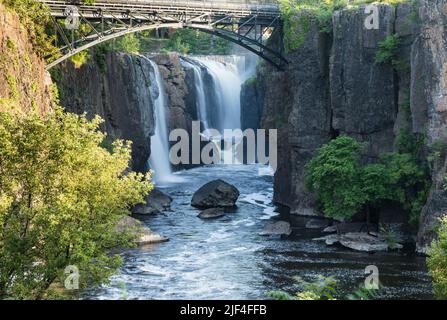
(201, 103)
(159, 159)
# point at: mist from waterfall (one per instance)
(159, 160)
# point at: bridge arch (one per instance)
(262, 51)
(110, 19)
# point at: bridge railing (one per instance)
(258, 5)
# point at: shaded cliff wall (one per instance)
(429, 107)
(332, 86)
(117, 88)
(177, 92)
(24, 83)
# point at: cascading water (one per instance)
(159, 159)
(224, 74)
(201, 105)
(227, 82)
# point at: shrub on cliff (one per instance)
(345, 187)
(437, 261)
(34, 16)
(61, 195)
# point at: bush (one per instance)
(334, 174)
(80, 58)
(437, 261)
(61, 195)
(344, 186)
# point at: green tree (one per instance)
(128, 43)
(334, 174)
(437, 261)
(345, 187)
(61, 195)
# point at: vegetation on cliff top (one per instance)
(35, 18)
(298, 14)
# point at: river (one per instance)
(227, 259)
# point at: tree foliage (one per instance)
(61, 195)
(437, 261)
(345, 186)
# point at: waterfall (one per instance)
(227, 82)
(159, 160)
(201, 103)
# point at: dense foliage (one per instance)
(345, 186)
(437, 261)
(61, 195)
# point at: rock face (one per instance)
(156, 202)
(296, 103)
(332, 86)
(251, 112)
(118, 88)
(216, 193)
(176, 89)
(143, 234)
(277, 228)
(24, 83)
(363, 93)
(429, 106)
(211, 213)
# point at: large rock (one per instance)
(276, 229)
(317, 223)
(156, 202)
(143, 234)
(216, 193)
(359, 241)
(211, 213)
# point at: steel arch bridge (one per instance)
(247, 23)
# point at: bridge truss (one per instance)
(248, 25)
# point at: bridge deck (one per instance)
(267, 9)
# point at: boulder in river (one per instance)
(211, 213)
(359, 241)
(330, 229)
(317, 223)
(276, 229)
(215, 194)
(143, 234)
(156, 202)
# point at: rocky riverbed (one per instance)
(229, 258)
